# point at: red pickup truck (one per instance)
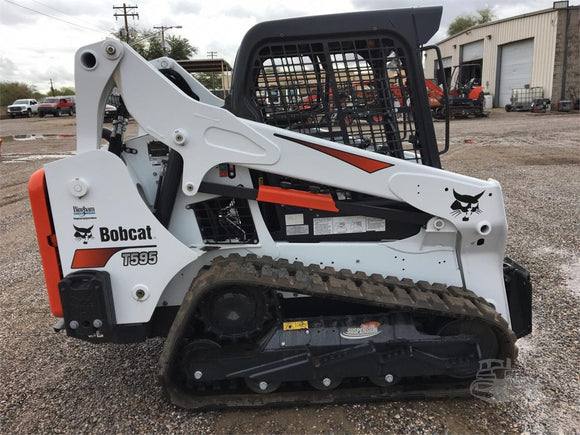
(57, 106)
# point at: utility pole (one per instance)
(126, 14)
(163, 29)
(51, 88)
(211, 55)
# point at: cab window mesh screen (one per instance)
(348, 91)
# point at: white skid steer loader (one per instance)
(295, 243)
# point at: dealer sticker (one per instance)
(365, 330)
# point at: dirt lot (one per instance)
(54, 384)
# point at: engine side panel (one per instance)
(102, 223)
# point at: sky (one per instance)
(38, 38)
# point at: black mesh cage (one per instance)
(349, 91)
(225, 220)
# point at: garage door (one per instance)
(472, 51)
(515, 68)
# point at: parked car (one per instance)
(110, 113)
(56, 106)
(23, 107)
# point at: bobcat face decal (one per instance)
(465, 205)
(83, 234)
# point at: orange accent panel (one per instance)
(364, 163)
(95, 257)
(297, 198)
(46, 239)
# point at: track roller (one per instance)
(261, 387)
(387, 380)
(325, 383)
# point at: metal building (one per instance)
(539, 49)
(221, 66)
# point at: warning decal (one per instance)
(347, 225)
(292, 326)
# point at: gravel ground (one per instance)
(52, 384)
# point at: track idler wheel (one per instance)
(195, 351)
(325, 383)
(486, 338)
(483, 334)
(261, 387)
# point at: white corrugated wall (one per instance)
(542, 26)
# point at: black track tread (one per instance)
(389, 292)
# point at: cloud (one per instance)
(71, 9)
(185, 7)
(12, 14)
(368, 5)
(6, 68)
(39, 75)
(45, 46)
(304, 8)
(239, 11)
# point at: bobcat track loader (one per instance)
(290, 253)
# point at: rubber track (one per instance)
(390, 293)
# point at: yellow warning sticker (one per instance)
(292, 326)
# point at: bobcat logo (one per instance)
(465, 205)
(83, 234)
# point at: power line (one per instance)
(54, 18)
(64, 13)
(145, 38)
(212, 55)
(163, 29)
(126, 14)
(49, 7)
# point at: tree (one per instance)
(205, 79)
(179, 48)
(463, 22)
(64, 91)
(148, 44)
(151, 48)
(10, 91)
(486, 15)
